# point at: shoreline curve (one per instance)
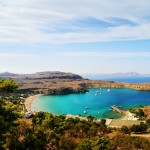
(28, 102)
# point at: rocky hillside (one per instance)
(111, 84)
(41, 75)
(64, 83)
(48, 82)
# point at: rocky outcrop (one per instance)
(65, 90)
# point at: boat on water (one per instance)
(85, 112)
(86, 107)
(108, 91)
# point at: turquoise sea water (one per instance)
(96, 102)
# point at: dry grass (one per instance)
(120, 123)
(146, 110)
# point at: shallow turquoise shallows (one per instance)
(97, 102)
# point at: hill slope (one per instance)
(64, 83)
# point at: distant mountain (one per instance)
(124, 74)
(41, 75)
(7, 74)
(130, 77)
(120, 74)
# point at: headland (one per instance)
(60, 83)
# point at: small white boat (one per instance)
(85, 112)
(86, 107)
(108, 90)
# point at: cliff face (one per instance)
(65, 90)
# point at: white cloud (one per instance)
(13, 55)
(40, 21)
(106, 54)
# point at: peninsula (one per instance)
(59, 83)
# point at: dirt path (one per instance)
(142, 135)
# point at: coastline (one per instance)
(127, 115)
(29, 101)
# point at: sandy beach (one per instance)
(29, 101)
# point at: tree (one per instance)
(90, 118)
(103, 126)
(125, 142)
(100, 143)
(103, 122)
(84, 145)
(139, 128)
(66, 144)
(140, 113)
(148, 122)
(143, 127)
(125, 130)
(92, 131)
(7, 118)
(8, 85)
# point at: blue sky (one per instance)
(80, 36)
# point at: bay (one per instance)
(97, 102)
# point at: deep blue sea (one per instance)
(97, 102)
(128, 79)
